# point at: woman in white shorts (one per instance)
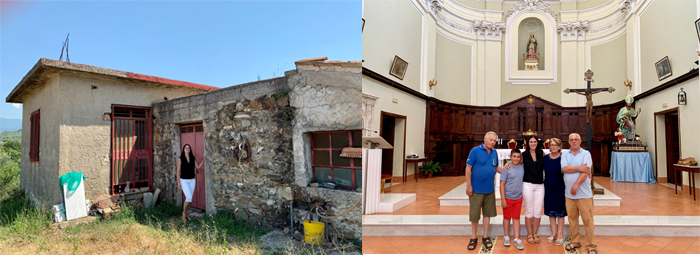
(186, 182)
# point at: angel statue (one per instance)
(626, 117)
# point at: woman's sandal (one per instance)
(559, 242)
(530, 237)
(487, 242)
(570, 248)
(472, 244)
(593, 251)
(551, 239)
(537, 238)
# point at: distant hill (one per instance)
(10, 124)
(11, 135)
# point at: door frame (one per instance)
(381, 125)
(656, 144)
(204, 173)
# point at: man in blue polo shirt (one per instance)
(482, 166)
(576, 166)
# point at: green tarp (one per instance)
(71, 179)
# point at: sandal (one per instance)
(487, 242)
(570, 248)
(472, 244)
(551, 239)
(537, 238)
(530, 237)
(593, 251)
(559, 242)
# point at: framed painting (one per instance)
(398, 68)
(697, 28)
(663, 68)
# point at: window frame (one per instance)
(353, 168)
(35, 135)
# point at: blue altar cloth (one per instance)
(631, 167)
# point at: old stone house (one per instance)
(263, 142)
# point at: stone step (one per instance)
(605, 225)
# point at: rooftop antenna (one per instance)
(65, 47)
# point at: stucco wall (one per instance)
(84, 136)
(666, 29)
(40, 179)
(688, 120)
(386, 36)
(453, 69)
(410, 106)
(609, 64)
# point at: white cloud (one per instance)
(15, 106)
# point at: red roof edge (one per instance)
(150, 78)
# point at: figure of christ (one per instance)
(589, 100)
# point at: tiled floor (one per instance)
(458, 245)
(637, 198)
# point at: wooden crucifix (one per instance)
(588, 93)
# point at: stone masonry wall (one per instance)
(327, 96)
(273, 119)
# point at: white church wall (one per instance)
(386, 36)
(453, 70)
(407, 105)
(688, 118)
(609, 64)
(666, 29)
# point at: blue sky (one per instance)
(217, 43)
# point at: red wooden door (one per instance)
(131, 144)
(194, 136)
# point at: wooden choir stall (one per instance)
(452, 130)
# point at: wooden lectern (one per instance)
(371, 172)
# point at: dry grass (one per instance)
(122, 237)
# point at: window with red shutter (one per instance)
(34, 136)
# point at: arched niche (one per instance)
(531, 26)
(515, 47)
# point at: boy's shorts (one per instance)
(513, 208)
(479, 202)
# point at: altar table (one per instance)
(631, 167)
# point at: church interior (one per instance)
(439, 74)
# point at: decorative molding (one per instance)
(490, 31)
(573, 31)
(368, 102)
(435, 7)
(627, 8)
(531, 6)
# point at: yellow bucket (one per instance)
(314, 232)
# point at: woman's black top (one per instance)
(186, 168)
(534, 171)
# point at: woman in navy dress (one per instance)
(554, 190)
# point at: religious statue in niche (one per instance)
(626, 117)
(532, 58)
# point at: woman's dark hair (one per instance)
(182, 155)
(538, 150)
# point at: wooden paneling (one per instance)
(453, 130)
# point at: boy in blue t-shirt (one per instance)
(512, 197)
